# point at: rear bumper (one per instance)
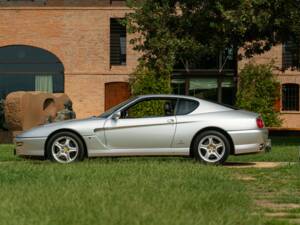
(250, 141)
(268, 146)
(30, 146)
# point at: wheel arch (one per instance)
(222, 131)
(64, 130)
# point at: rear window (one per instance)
(186, 106)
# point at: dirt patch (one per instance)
(245, 177)
(277, 214)
(281, 210)
(277, 206)
(255, 164)
(284, 219)
(294, 221)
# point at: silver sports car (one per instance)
(151, 125)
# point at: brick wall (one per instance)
(79, 37)
(72, 3)
(6, 137)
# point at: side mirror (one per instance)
(116, 116)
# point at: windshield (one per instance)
(116, 108)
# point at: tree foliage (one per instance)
(170, 29)
(146, 81)
(258, 92)
(156, 43)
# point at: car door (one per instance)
(148, 124)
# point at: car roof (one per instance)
(168, 96)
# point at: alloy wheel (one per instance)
(65, 149)
(211, 148)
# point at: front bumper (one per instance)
(250, 141)
(30, 146)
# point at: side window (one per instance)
(150, 108)
(186, 106)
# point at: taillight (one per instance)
(260, 123)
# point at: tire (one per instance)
(65, 147)
(211, 147)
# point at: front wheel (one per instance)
(65, 147)
(211, 147)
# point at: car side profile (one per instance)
(170, 125)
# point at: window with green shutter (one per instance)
(117, 42)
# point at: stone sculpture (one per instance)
(24, 110)
(67, 113)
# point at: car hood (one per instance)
(84, 127)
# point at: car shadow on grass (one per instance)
(239, 164)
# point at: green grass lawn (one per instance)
(148, 190)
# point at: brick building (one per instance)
(286, 59)
(72, 46)
(79, 47)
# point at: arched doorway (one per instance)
(115, 93)
(27, 68)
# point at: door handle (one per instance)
(171, 121)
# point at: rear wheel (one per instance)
(211, 147)
(65, 147)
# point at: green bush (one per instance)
(258, 91)
(154, 108)
(146, 81)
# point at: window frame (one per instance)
(287, 49)
(120, 63)
(220, 77)
(282, 109)
(27, 62)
